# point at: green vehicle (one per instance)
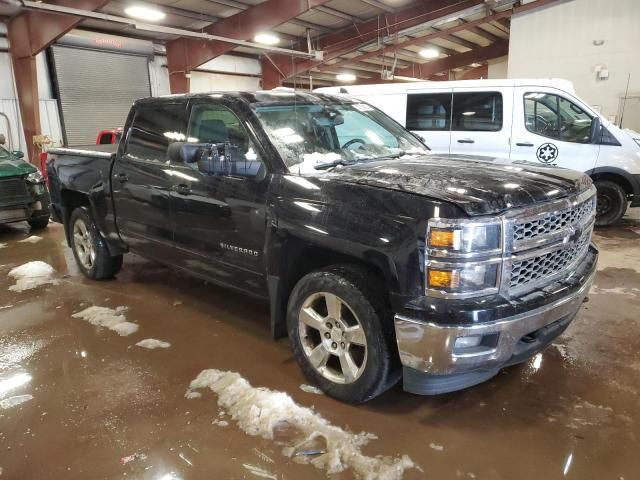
(23, 192)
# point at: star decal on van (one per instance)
(547, 153)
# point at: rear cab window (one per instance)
(155, 126)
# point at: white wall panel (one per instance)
(558, 41)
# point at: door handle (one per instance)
(466, 140)
(121, 177)
(182, 189)
(524, 144)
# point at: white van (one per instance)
(522, 120)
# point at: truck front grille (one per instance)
(548, 264)
(13, 189)
(554, 221)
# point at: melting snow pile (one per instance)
(31, 239)
(310, 389)
(32, 275)
(152, 343)
(113, 319)
(14, 401)
(258, 411)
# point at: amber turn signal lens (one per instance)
(442, 238)
(443, 278)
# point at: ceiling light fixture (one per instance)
(266, 39)
(345, 77)
(144, 13)
(429, 53)
(475, 65)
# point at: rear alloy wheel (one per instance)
(341, 332)
(611, 202)
(91, 252)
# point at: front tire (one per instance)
(611, 203)
(38, 223)
(341, 332)
(89, 248)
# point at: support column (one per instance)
(177, 59)
(25, 73)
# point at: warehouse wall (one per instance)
(498, 67)
(558, 41)
(226, 72)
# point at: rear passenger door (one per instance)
(141, 182)
(481, 122)
(429, 116)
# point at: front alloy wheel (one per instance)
(332, 338)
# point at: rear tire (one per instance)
(611, 204)
(39, 223)
(89, 249)
(353, 358)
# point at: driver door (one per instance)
(551, 129)
(220, 219)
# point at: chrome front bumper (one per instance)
(431, 348)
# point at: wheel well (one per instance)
(70, 201)
(615, 178)
(300, 261)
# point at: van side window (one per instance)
(153, 128)
(477, 112)
(556, 117)
(428, 111)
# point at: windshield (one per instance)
(311, 137)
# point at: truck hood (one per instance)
(13, 167)
(478, 185)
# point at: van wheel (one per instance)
(89, 248)
(341, 332)
(611, 204)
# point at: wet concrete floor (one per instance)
(95, 406)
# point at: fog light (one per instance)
(467, 342)
(443, 278)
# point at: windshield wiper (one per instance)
(335, 163)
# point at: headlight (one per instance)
(463, 257)
(35, 177)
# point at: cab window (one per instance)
(154, 127)
(556, 117)
(217, 124)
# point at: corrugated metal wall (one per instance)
(96, 89)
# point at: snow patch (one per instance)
(310, 389)
(437, 447)
(3, 245)
(259, 472)
(629, 291)
(113, 319)
(32, 275)
(258, 411)
(31, 239)
(191, 395)
(14, 401)
(220, 423)
(152, 343)
(311, 160)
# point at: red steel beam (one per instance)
(353, 37)
(187, 54)
(29, 33)
(497, 16)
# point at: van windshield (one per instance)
(312, 137)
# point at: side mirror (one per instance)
(596, 130)
(18, 154)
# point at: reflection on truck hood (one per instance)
(478, 185)
(13, 167)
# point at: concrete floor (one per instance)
(97, 398)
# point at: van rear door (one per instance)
(481, 121)
(553, 128)
(429, 115)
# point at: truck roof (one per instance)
(262, 97)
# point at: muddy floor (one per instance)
(79, 401)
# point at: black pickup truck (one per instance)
(379, 260)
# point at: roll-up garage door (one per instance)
(96, 89)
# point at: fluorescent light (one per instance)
(475, 65)
(144, 13)
(345, 77)
(266, 38)
(429, 53)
